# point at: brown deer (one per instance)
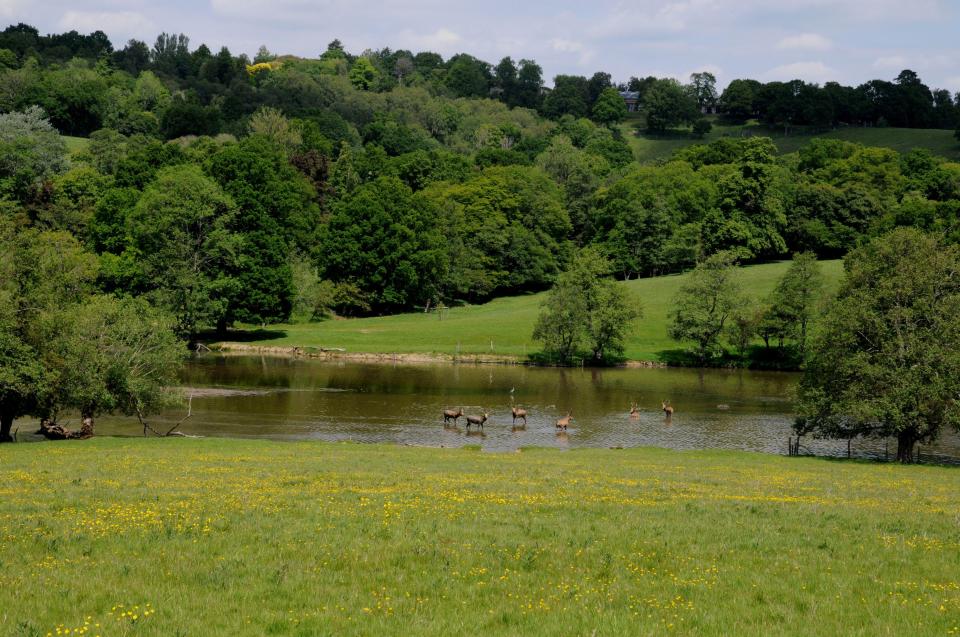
(519, 412)
(634, 410)
(476, 420)
(449, 414)
(563, 423)
(667, 408)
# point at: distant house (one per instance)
(632, 100)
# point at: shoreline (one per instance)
(320, 353)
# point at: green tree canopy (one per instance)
(886, 358)
(705, 302)
(31, 152)
(585, 309)
(667, 104)
(386, 241)
(609, 109)
(182, 248)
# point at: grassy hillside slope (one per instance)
(503, 326)
(654, 147)
(76, 145)
(232, 537)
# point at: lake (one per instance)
(286, 398)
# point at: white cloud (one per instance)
(651, 17)
(952, 83)
(573, 47)
(111, 22)
(890, 63)
(808, 71)
(9, 7)
(805, 42)
(442, 40)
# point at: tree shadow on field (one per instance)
(240, 336)
(680, 358)
(757, 357)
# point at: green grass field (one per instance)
(76, 145)
(504, 326)
(649, 148)
(129, 537)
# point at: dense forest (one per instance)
(225, 189)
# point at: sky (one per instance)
(850, 41)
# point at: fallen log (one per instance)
(53, 431)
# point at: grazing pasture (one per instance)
(233, 537)
(504, 326)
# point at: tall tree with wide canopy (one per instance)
(185, 253)
(705, 303)
(386, 241)
(886, 359)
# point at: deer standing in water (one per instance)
(476, 420)
(634, 410)
(519, 412)
(449, 414)
(667, 408)
(563, 423)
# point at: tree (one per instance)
(795, 297)
(597, 84)
(704, 87)
(402, 68)
(108, 356)
(737, 101)
(561, 324)
(506, 230)
(585, 308)
(668, 104)
(570, 96)
(886, 358)
(467, 76)
(31, 152)
(63, 348)
(505, 78)
(609, 108)
(276, 212)
(700, 128)
(743, 325)
(183, 248)
(271, 124)
(363, 74)
(386, 241)
(705, 302)
(529, 84)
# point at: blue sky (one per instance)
(850, 41)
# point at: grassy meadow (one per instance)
(648, 148)
(230, 537)
(504, 326)
(75, 145)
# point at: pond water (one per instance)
(283, 398)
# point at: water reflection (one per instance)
(366, 402)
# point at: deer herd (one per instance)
(519, 413)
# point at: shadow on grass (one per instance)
(757, 357)
(663, 135)
(240, 336)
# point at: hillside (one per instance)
(503, 326)
(649, 148)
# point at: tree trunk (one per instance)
(905, 443)
(6, 424)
